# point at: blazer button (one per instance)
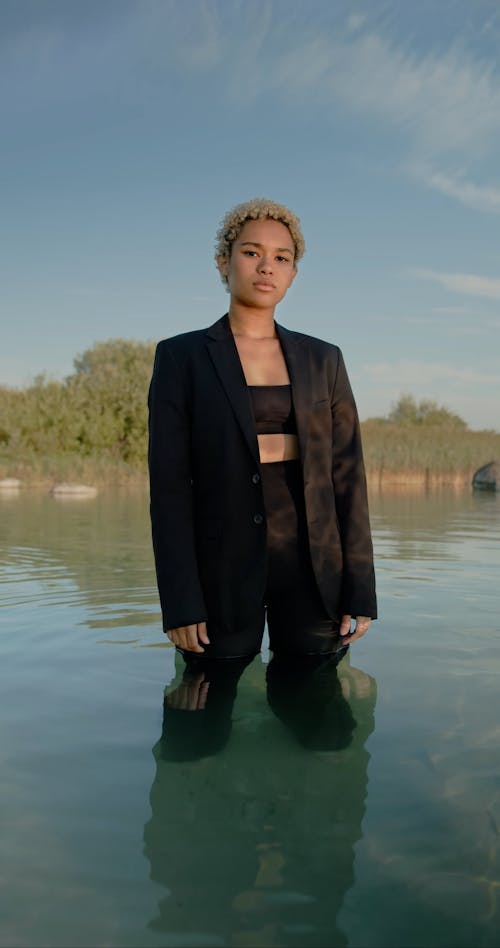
(255, 478)
(258, 518)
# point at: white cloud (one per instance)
(442, 102)
(435, 314)
(467, 283)
(408, 373)
(473, 326)
(479, 197)
(470, 392)
(14, 372)
(206, 51)
(355, 22)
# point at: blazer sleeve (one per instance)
(358, 579)
(171, 494)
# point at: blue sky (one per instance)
(129, 128)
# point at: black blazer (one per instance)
(207, 507)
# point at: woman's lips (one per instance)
(264, 286)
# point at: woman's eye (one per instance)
(249, 253)
(283, 259)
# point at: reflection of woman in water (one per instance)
(253, 837)
(258, 494)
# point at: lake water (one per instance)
(357, 805)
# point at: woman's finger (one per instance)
(182, 637)
(345, 625)
(202, 633)
(191, 635)
(362, 625)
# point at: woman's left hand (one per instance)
(362, 626)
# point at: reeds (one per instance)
(35, 470)
(394, 454)
(421, 454)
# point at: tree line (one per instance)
(98, 414)
(407, 411)
(99, 409)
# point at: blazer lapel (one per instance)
(297, 358)
(225, 357)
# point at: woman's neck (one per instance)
(256, 324)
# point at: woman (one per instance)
(258, 492)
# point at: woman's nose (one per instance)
(265, 265)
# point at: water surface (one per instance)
(354, 806)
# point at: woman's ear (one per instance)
(222, 265)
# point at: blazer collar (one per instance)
(225, 357)
(221, 330)
(226, 360)
(298, 362)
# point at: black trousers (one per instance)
(303, 691)
(296, 616)
(297, 620)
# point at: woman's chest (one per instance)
(262, 361)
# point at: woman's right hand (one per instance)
(189, 637)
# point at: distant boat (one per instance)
(487, 477)
(73, 490)
(10, 483)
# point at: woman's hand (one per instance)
(189, 637)
(190, 695)
(362, 626)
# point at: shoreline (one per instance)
(112, 477)
(421, 481)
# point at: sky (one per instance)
(129, 128)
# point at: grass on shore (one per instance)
(431, 454)
(35, 470)
(394, 454)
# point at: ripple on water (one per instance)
(32, 579)
(83, 708)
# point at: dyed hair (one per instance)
(258, 209)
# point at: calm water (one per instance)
(312, 806)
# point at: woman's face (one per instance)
(261, 266)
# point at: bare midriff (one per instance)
(263, 363)
(278, 447)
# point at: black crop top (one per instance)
(273, 409)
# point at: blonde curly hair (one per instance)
(256, 209)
